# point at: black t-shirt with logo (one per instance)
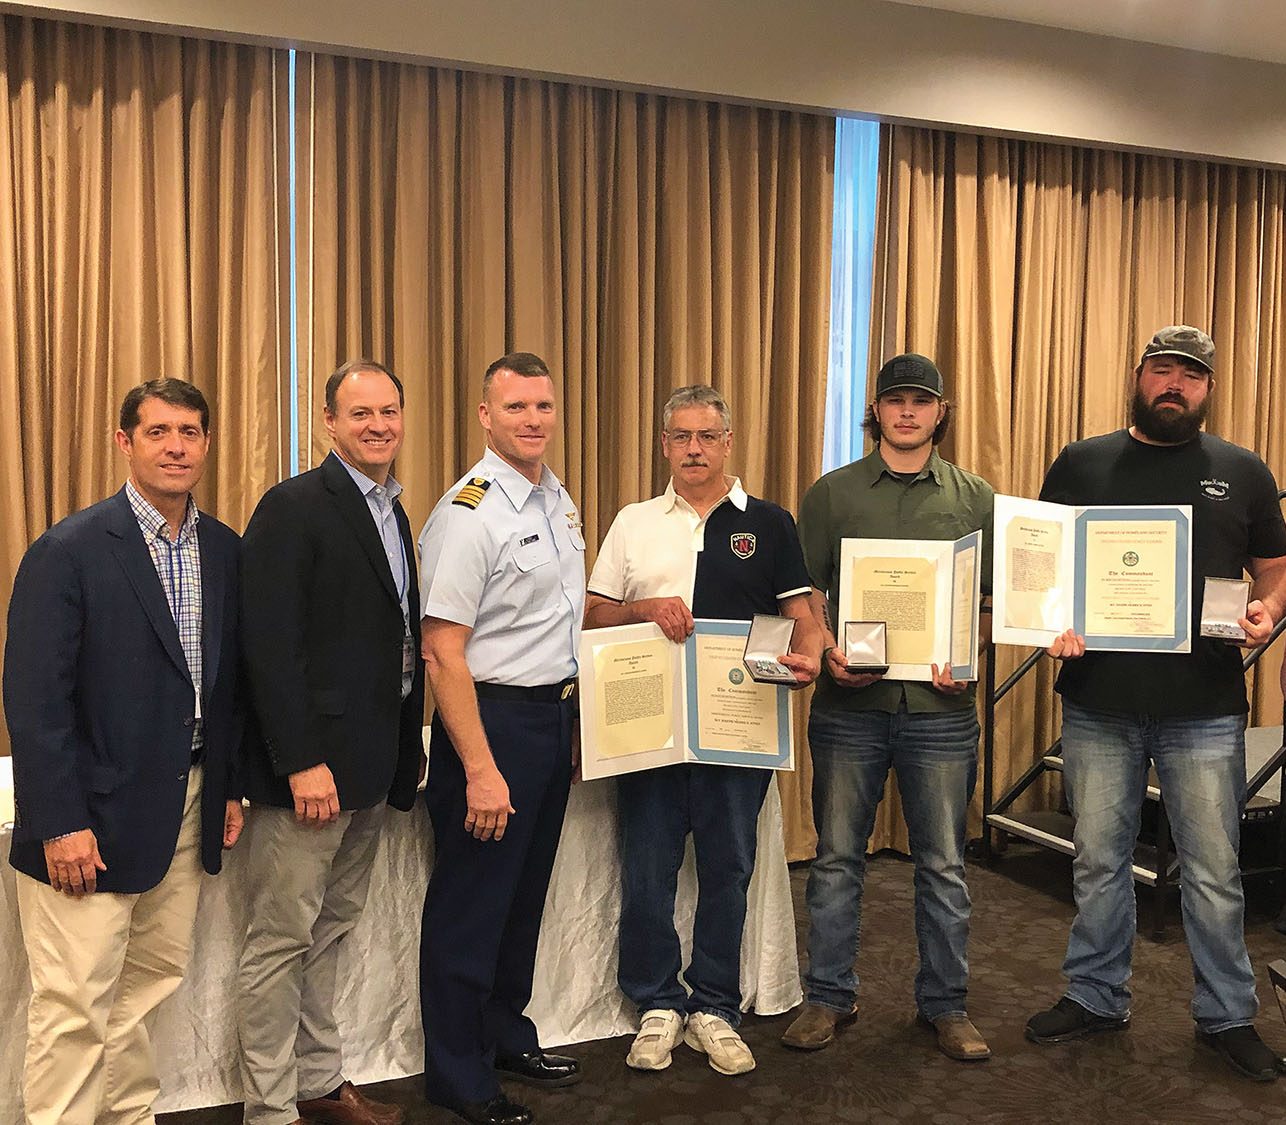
(749, 560)
(1235, 517)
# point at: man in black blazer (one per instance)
(121, 693)
(329, 598)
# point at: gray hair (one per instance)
(699, 395)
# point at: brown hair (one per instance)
(176, 392)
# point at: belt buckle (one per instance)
(568, 688)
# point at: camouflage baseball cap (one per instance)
(909, 371)
(1183, 340)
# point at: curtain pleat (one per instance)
(638, 243)
(1034, 273)
(138, 238)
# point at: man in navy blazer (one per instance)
(121, 693)
(330, 608)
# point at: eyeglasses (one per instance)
(707, 439)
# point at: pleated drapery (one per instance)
(1034, 274)
(637, 243)
(139, 216)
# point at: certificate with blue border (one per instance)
(1133, 578)
(647, 702)
(966, 594)
(1120, 575)
(731, 719)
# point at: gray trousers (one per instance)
(307, 889)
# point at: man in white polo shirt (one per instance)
(703, 547)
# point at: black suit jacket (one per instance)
(100, 703)
(322, 637)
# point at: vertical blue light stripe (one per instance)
(294, 465)
(857, 148)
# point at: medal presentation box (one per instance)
(770, 636)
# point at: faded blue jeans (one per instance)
(1201, 763)
(936, 759)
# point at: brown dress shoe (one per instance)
(815, 1027)
(959, 1039)
(351, 1108)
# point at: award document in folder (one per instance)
(1120, 576)
(647, 702)
(926, 591)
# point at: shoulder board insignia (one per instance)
(470, 496)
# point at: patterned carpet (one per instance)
(885, 1068)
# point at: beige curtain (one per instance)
(636, 242)
(139, 206)
(1034, 273)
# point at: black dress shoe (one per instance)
(538, 1068)
(498, 1111)
(1244, 1051)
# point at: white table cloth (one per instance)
(575, 997)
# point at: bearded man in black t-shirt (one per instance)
(1183, 713)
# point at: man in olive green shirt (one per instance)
(861, 725)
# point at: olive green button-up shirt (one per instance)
(865, 500)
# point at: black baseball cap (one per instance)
(909, 371)
(1183, 340)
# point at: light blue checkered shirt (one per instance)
(178, 565)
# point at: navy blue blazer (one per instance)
(321, 629)
(99, 701)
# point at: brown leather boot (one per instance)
(959, 1039)
(815, 1027)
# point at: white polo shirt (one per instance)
(741, 558)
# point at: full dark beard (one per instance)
(1170, 427)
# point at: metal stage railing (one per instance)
(1155, 865)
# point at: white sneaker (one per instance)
(716, 1038)
(659, 1034)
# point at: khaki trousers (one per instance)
(307, 887)
(100, 966)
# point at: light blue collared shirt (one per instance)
(379, 499)
(513, 570)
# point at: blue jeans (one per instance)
(720, 806)
(936, 759)
(1201, 764)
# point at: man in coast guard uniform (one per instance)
(503, 590)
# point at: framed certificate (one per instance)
(1120, 576)
(926, 591)
(647, 702)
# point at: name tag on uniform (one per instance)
(529, 539)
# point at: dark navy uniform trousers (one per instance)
(483, 906)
